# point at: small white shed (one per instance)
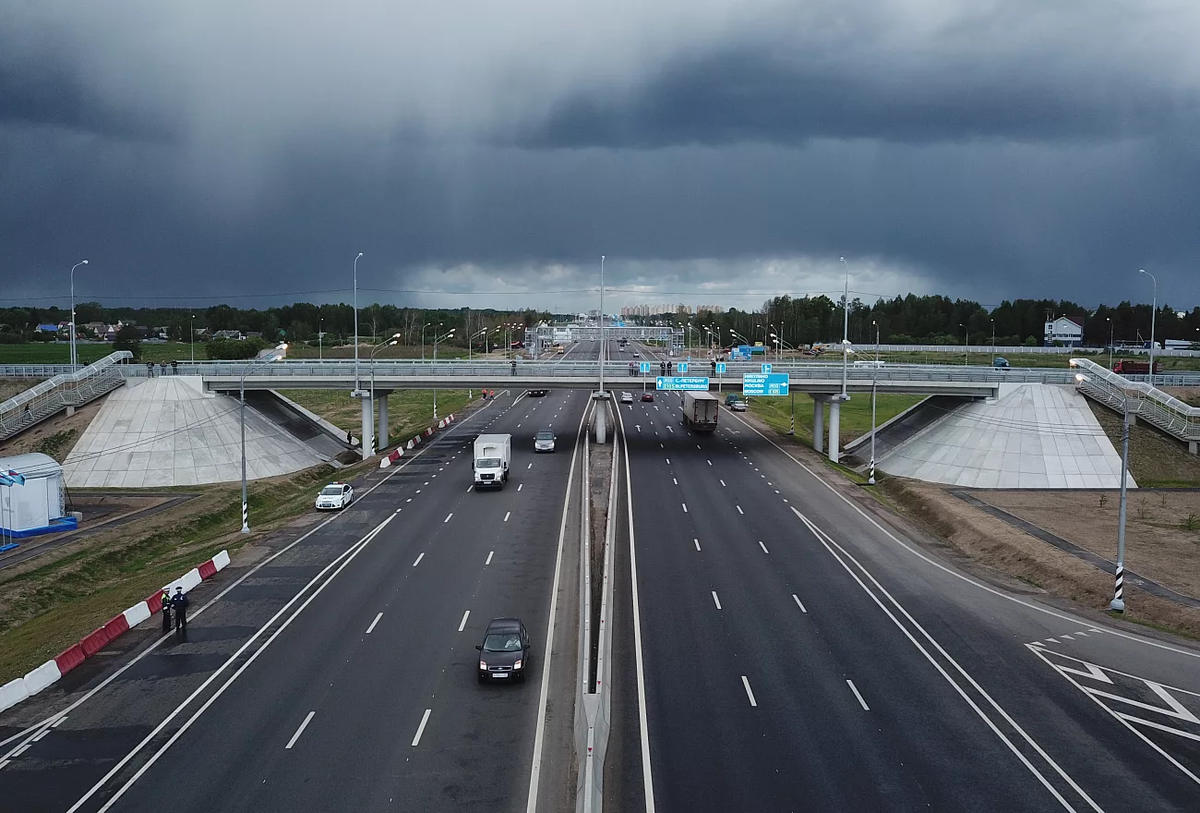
(37, 506)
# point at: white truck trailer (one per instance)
(492, 456)
(700, 411)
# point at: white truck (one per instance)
(700, 410)
(492, 456)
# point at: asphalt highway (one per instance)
(359, 691)
(799, 654)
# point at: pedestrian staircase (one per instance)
(51, 397)
(1142, 401)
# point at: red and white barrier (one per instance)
(51, 671)
(389, 459)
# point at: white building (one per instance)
(1063, 332)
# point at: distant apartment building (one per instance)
(1063, 332)
(679, 308)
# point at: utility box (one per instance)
(35, 506)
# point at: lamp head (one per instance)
(359, 255)
(83, 262)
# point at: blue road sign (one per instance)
(766, 368)
(677, 382)
(765, 383)
(720, 368)
(644, 366)
(682, 366)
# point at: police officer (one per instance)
(514, 366)
(179, 605)
(166, 609)
(174, 366)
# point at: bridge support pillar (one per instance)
(70, 411)
(818, 422)
(368, 420)
(1132, 419)
(382, 434)
(1194, 447)
(835, 417)
(600, 416)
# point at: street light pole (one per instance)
(437, 339)
(874, 394)
(242, 392)
(320, 340)
(74, 356)
(193, 338)
(356, 382)
(1153, 313)
(1110, 342)
(601, 325)
(845, 332)
(1118, 602)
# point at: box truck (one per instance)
(700, 410)
(492, 455)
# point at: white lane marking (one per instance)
(299, 731)
(697, 445)
(419, 558)
(425, 483)
(684, 507)
(530, 466)
(716, 600)
(3, 762)
(463, 624)
(39, 737)
(489, 559)
(447, 519)
(799, 603)
(535, 770)
(418, 491)
(722, 482)
(749, 693)
(669, 429)
(668, 461)
(710, 462)
(673, 480)
(740, 511)
(697, 541)
(373, 623)
(421, 727)
(506, 515)
(59, 721)
(519, 425)
(854, 689)
(341, 561)
(828, 542)
(520, 486)
(469, 488)
(22, 749)
(409, 499)
(639, 660)
(764, 547)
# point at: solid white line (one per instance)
(421, 727)
(419, 558)
(344, 559)
(739, 508)
(299, 731)
(520, 486)
(463, 624)
(489, 559)
(749, 694)
(764, 547)
(43, 733)
(684, 507)
(798, 603)
(716, 600)
(373, 623)
(447, 519)
(506, 515)
(59, 721)
(469, 488)
(3, 763)
(639, 660)
(697, 541)
(854, 689)
(22, 749)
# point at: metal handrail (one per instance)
(1140, 398)
(61, 391)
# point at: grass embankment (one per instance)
(983, 358)
(51, 602)
(409, 411)
(855, 417)
(60, 352)
(1155, 460)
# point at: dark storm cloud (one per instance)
(251, 149)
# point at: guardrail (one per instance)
(1141, 400)
(69, 389)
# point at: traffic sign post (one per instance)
(644, 366)
(677, 382)
(766, 369)
(766, 384)
(682, 366)
(721, 368)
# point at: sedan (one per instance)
(627, 398)
(505, 651)
(335, 496)
(543, 441)
(537, 393)
(647, 396)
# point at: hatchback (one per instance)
(504, 653)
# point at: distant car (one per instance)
(543, 441)
(735, 402)
(647, 396)
(1000, 363)
(335, 496)
(627, 398)
(505, 651)
(635, 355)
(537, 393)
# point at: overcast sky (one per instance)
(715, 150)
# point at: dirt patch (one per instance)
(1006, 549)
(1155, 459)
(1162, 528)
(1189, 395)
(55, 436)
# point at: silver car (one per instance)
(543, 441)
(627, 398)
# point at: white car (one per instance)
(335, 496)
(627, 398)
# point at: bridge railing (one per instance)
(1141, 399)
(61, 391)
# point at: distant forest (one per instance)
(902, 320)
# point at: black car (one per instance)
(537, 393)
(505, 651)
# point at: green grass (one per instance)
(60, 352)
(984, 357)
(46, 609)
(409, 411)
(855, 417)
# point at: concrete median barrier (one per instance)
(137, 613)
(94, 641)
(12, 693)
(45, 675)
(69, 658)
